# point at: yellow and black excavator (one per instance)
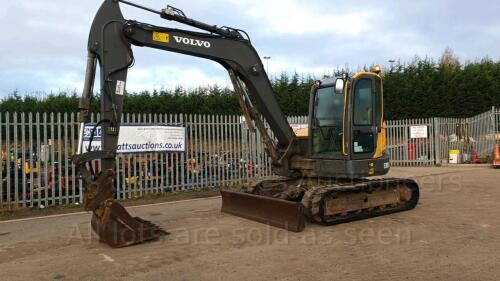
(320, 175)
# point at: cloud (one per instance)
(300, 17)
(170, 77)
(44, 41)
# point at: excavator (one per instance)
(320, 175)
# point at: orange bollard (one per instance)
(496, 159)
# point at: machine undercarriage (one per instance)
(322, 200)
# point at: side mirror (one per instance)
(339, 86)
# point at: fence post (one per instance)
(494, 123)
(1, 160)
(437, 142)
(496, 117)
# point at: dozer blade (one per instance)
(117, 228)
(268, 210)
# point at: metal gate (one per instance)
(406, 147)
(474, 137)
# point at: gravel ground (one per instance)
(453, 234)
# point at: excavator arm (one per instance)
(110, 42)
(109, 46)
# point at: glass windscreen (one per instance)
(328, 121)
(329, 107)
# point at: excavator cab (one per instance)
(347, 117)
(346, 128)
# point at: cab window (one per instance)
(363, 103)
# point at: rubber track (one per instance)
(315, 197)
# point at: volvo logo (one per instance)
(192, 42)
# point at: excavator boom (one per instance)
(109, 45)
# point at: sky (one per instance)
(43, 42)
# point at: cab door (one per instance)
(366, 101)
(327, 123)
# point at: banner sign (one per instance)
(134, 139)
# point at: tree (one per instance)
(422, 88)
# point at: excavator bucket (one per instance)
(112, 223)
(117, 228)
(279, 213)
